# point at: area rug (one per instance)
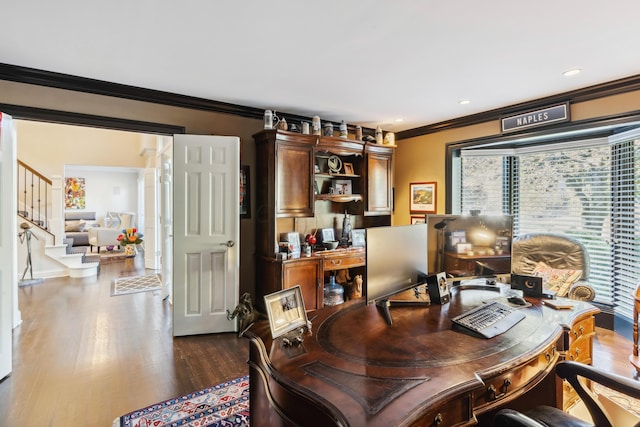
(134, 284)
(224, 405)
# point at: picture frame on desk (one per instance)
(285, 310)
(327, 234)
(348, 168)
(422, 197)
(358, 239)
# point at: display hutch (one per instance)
(305, 183)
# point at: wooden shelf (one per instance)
(340, 198)
(336, 175)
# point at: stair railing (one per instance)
(34, 197)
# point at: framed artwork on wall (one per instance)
(74, 193)
(422, 197)
(418, 219)
(245, 195)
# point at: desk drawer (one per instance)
(456, 412)
(583, 328)
(580, 351)
(510, 384)
(341, 262)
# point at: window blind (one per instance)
(568, 192)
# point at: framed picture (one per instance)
(348, 168)
(358, 238)
(422, 197)
(418, 219)
(342, 186)
(245, 195)
(327, 234)
(285, 310)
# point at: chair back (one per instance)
(555, 250)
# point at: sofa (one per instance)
(77, 225)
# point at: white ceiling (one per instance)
(367, 62)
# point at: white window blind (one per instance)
(625, 220)
(482, 185)
(568, 191)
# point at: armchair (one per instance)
(575, 373)
(554, 252)
(101, 236)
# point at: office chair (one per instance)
(557, 251)
(543, 416)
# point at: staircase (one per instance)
(34, 202)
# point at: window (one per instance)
(586, 189)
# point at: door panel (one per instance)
(205, 233)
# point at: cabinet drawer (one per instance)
(348, 261)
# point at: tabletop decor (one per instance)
(129, 239)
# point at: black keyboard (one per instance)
(489, 319)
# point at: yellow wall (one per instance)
(422, 158)
(50, 147)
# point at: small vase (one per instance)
(130, 250)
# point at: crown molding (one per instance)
(615, 87)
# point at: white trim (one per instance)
(538, 148)
(625, 136)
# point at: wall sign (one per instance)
(535, 118)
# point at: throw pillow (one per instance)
(74, 225)
(556, 279)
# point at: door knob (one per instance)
(229, 244)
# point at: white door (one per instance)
(206, 194)
(8, 242)
(166, 221)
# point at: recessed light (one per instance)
(464, 101)
(399, 120)
(572, 72)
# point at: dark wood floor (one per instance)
(83, 357)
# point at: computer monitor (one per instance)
(396, 261)
(468, 245)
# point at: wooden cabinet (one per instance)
(379, 186)
(317, 177)
(307, 273)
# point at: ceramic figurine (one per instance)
(343, 130)
(305, 128)
(268, 119)
(359, 133)
(282, 124)
(328, 129)
(317, 129)
(378, 135)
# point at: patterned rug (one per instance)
(224, 405)
(133, 284)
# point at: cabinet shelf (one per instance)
(336, 175)
(340, 198)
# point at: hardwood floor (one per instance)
(83, 358)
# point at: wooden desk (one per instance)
(355, 370)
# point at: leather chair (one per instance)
(544, 416)
(557, 251)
